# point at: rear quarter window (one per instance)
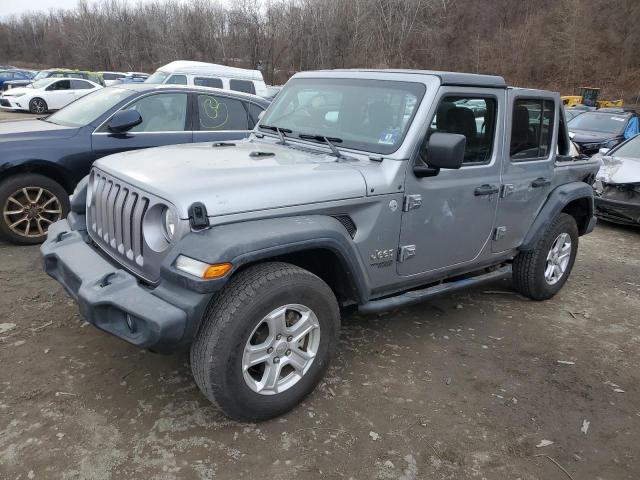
(208, 82)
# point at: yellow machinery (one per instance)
(589, 97)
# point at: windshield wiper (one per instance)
(328, 140)
(279, 130)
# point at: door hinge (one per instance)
(411, 202)
(507, 189)
(406, 252)
(499, 233)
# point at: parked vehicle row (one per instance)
(598, 129)
(363, 189)
(43, 159)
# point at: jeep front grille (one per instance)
(115, 214)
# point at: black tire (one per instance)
(230, 320)
(32, 182)
(529, 267)
(38, 105)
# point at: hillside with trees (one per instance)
(558, 44)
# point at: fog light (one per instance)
(201, 269)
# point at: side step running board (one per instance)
(417, 296)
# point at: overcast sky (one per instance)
(11, 7)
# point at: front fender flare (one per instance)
(248, 242)
(557, 200)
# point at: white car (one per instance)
(47, 94)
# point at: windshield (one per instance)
(630, 149)
(369, 115)
(158, 77)
(42, 83)
(598, 122)
(88, 108)
(41, 75)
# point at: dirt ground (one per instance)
(466, 386)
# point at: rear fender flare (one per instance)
(557, 200)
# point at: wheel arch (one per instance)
(575, 199)
(317, 243)
(45, 168)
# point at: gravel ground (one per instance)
(15, 115)
(466, 386)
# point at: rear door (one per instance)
(81, 88)
(166, 120)
(527, 173)
(219, 117)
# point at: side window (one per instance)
(208, 82)
(531, 129)
(473, 117)
(242, 86)
(177, 80)
(254, 113)
(163, 112)
(80, 85)
(60, 85)
(221, 113)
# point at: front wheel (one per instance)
(540, 273)
(266, 341)
(29, 203)
(38, 105)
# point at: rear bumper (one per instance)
(112, 299)
(626, 213)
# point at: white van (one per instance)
(202, 74)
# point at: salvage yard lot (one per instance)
(461, 387)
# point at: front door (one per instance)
(59, 94)
(219, 118)
(527, 171)
(165, 121)
(448, 219)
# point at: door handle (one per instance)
(486, 189)
(541, 182)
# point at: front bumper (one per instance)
(618, 211)
(11, 103)
(112, 299)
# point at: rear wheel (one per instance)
(38, 105)
(29, 203)
(540, 273)
(266, 341)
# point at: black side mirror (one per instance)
(444, 150)
(123, 121)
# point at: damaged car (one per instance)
(617, 187)
(592, 131)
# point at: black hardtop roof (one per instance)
(448, 78)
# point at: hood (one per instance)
(229, 179)
(618, 170)
(12, 92)
(14, 130)
(584, 136)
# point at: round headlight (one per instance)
(170, 221)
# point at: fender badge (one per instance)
(393, 205)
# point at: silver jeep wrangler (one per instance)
(359, 188)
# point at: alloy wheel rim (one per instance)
(281, 349)
(39, 104)
(558, 259)
(29, 211)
